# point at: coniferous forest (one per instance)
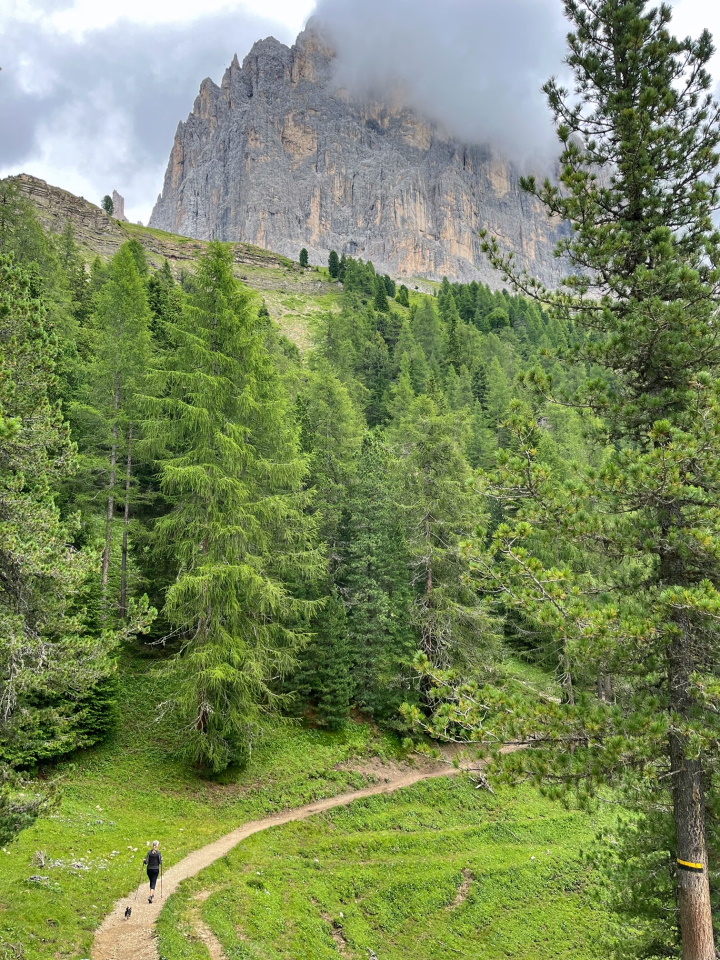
(380, 527)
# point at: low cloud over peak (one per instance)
(476, 66)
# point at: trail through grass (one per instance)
(438, 870)
(122, 795)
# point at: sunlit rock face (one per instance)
(279, 156)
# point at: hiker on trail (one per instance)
(154, 865)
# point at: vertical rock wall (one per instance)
(278, 156)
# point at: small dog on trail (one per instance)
(128, 911)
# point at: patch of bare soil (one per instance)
(338, 936)
(203, 931)
(386, 771)
(463, 890)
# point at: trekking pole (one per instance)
(161, 873)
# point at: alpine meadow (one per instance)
(386, 595)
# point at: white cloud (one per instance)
(96, 111)
(78, 17)
(92, 90)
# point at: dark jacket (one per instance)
(153, 860)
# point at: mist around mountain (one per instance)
(291, 151)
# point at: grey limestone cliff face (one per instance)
(280, 157)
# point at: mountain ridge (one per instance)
(281, 156)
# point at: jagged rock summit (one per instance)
(280, 156)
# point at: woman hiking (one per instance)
(154, 866)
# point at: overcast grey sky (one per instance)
(91, 91)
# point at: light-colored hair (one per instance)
(156, 843)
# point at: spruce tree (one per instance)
(498, 393)
(375, 584)
(441, 508)
(238, 530)
(332, 432)
(327, 675)
(304, 259)
(408, 350)
(49, 661)
(428, 331)
(380, 301)
(403, 296)
(334, 264)
(331, 435)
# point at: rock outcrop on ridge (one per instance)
(279, 157)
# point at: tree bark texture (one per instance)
(694, 905)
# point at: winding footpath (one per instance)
(135, 939)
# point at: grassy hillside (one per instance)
(118, 797)
(294, 297)
(441, 862)
(437, 870)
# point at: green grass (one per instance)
(118, 797)
(138, 230)
(438, 870)
(532, 676)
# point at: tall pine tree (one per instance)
(123, 345)
(50, 663)
(375, 583)
(441, 508)
(638, 183)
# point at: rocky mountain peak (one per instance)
(279, 156)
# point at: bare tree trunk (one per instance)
(428, 630)
(126, 522)
(696, 926)
(111, 497)
(566, 680)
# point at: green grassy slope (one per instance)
(295, 297)
(118, 797)
(438, 870)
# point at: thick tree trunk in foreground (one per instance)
(696, 926)
(695, 911)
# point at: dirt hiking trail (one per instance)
(134, 939)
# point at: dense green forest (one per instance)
(233, 489)
(377, 527)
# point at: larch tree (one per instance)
(122, 318)
(239, 532)
(441, 508)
